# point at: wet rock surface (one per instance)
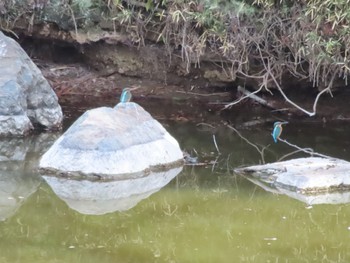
(108, 142)
(26, 98)
(312, 175)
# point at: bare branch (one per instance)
(247, 95)
(261, 151)
(216, 145)
(313, 113)
(305, 150)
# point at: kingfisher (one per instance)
(277, 130)
(126, 95)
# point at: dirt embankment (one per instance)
(103, 60)
(71, 70)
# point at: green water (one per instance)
(205, 214)
(198, 217)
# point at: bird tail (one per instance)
(274, 138)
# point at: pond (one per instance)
(204, 214)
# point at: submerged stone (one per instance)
(309, 176)
(107, 142)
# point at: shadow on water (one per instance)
(204, 214)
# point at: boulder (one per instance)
(307, 176)
(109, 142)
(26, 97)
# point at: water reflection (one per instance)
(205, 215)
(15, 187)
(97, 198)
(18, 162)
(310, 199)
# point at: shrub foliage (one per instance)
(262, 39)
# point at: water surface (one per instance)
(204, 214)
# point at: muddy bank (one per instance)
(80, 86)
(76, 83)
(111, 54)
(71, 73)
(185, 51)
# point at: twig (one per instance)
(306, 150)
(61, 68)
(216, 146)
(215, 162)
(291, 153)
(292, 102)
(74, 21)
(255, 122)
(321, 92)
(252, 95)
(9, 31)
(247, 95)
(261, 152)
(205, 124)
(204, 95)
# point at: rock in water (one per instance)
(26, 97)
(312, 175)
(108, 142)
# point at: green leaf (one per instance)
(149, 5)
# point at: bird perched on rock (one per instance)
(126, 95)
(277, 130)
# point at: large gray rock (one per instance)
(108, 142)
(304, 176)
(26, 97)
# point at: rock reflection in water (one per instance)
(310, 199)
(19, 159)
(97, 198)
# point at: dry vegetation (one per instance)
(263, 39)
